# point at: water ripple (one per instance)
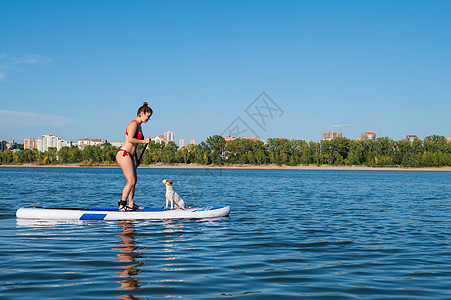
(291, 234)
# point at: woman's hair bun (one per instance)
(145, 108)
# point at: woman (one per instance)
(125, 157)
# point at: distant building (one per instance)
(229, 138)
(66, 143)
(82, 143)
(448, 139)
(182, 143)
(116, 144)
(30, 144)
(2, 146)
(411, 138)
(254, 139)
(192, 142)
(11, 144)
(368, 136)
(331, 135)
(97, 142)
(159, 138)
(169, 136)
(49, 141)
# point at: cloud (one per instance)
(9, 64)
(24, 119)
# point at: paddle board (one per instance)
(61, 213)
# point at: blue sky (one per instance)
(82, 68)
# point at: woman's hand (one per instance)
(147, 141)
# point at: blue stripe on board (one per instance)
(93, 216)
(210, 208)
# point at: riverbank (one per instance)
(243, 167)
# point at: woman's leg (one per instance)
(127, 165)
(131, 196)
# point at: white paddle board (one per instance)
(61, 213)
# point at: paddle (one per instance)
(138, 161)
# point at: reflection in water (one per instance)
(173, 233)
(169, 258)
(129, 257)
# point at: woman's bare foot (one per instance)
(135, 206)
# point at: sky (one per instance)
(289, 69)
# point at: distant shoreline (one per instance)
(242, 167)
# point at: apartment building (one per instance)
(2, 146)
(182, 143)
(368, 136)
(82, 143)
(47, 141)
(331, 135)
(169, 136)
(30, 144)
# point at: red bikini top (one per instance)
(139, 135)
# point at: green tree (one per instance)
(201, 155)
(75, 155)
(109, 154)
(434, 138)
(63, 154)
(280, 151)
(217, 145)
(169, 152)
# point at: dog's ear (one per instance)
(169, 182)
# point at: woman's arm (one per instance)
(132, 129)
(136, 141)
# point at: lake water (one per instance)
(291, 234)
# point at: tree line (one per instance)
(433, 151)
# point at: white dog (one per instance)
(172, 197)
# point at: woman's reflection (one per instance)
(128, 256)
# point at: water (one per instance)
(291, 234)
